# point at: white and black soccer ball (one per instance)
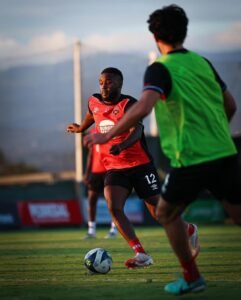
(98, 261)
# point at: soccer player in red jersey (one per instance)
(127, 161)
(94, 180)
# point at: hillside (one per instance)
(37, 102)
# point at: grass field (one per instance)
(48, 264)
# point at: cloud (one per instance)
(231, 36)
(57, 46)
(220, 39)
(53, 42)
(7, 46)
(50, 48)
(120, 42)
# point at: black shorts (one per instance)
(144, 179)
(222, 177)
(96, 182)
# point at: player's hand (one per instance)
(96, 138)
(86, 179)
(115, 149)
(73, 128)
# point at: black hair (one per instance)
(114, 71)
(169, 24)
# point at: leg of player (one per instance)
(191, 229)
(92, 203)
(116, 197)
(112, 232)
(192, 281)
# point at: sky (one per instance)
(28, 27)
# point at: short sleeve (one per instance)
(222, 84)
(158, 79)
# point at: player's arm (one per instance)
(88, 165)
(86, 123)
(229, 104)
(136, 113)
(135, 135)
(228, 100)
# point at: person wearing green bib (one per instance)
(193, 108)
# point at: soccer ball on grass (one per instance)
(98, 261)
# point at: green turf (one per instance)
(48, 264)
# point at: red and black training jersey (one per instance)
(106, 116)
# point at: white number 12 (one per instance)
(151, 178)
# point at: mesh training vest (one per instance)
(192, 122)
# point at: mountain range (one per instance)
(37, 102)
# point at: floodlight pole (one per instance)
(78, 120)
(153, 127)
(77, 113)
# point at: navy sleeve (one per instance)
(218, 78)
(158, 79)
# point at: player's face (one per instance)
(110, 86)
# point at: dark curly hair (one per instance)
(169, 24)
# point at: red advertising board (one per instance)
(50, 212)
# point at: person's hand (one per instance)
(73, 128)
(86, 179)
(115, 149)
(96, 138)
